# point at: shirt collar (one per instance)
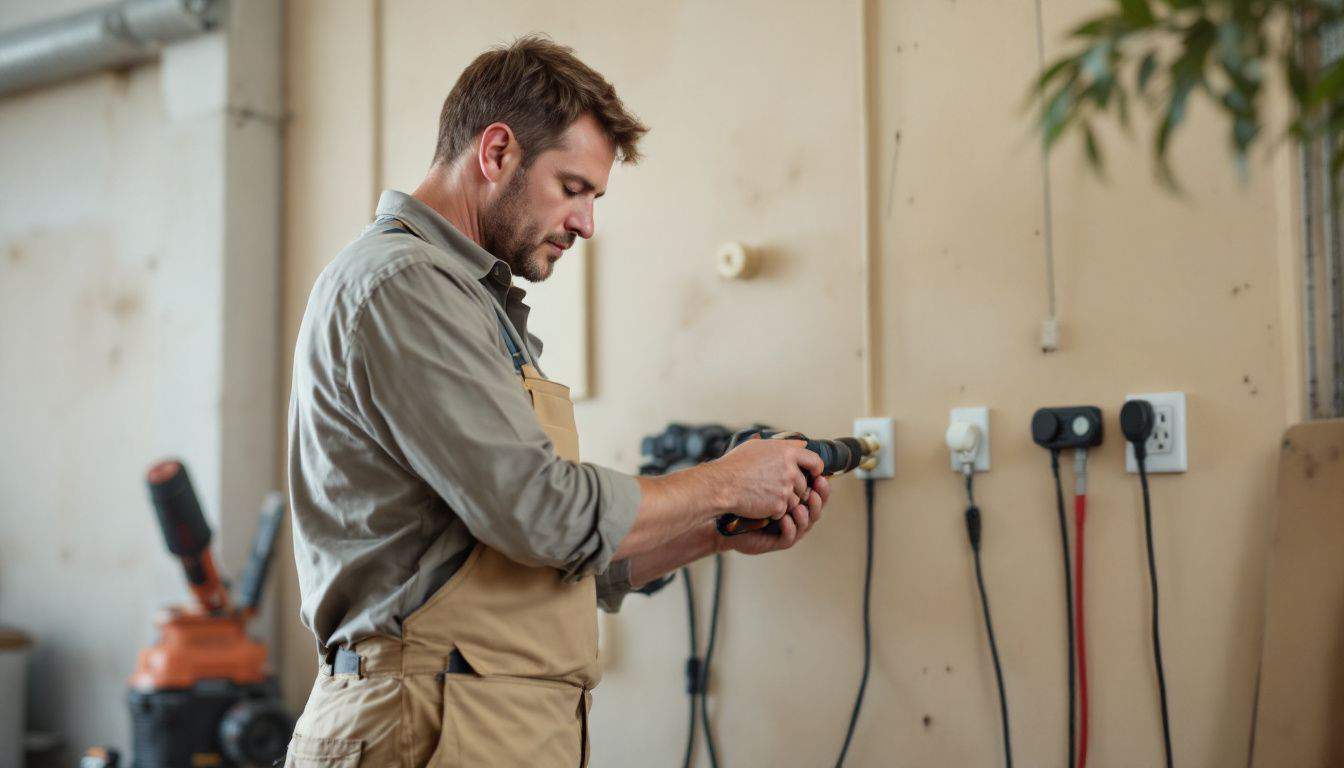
(427, 224)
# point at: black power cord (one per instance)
(697, 667)
(1157, 636)
(973, 533)
(677, 447)
(1068, 601)
(1137, 420)
(868, 493)
(709, 657)
(693, 677)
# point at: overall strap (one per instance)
(393, 225)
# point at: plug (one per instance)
(976, 450)
(963, 439)
(1070, 427)
(1136, 422)
(878, 438)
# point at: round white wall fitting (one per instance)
(734, 261)
(963, 436)
(1081, 426)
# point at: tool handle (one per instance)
(185, 531)
(179, 511)
(263, 546)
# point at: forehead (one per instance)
(584, 149)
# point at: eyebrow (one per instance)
(585, 184)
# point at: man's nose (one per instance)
(580, 221)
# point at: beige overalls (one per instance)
(530, 641)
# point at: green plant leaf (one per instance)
(1175, 113)
(1096, 27)
(1146, 69)
(1244, 131)
(1137, 13)
(1093, 151)
(1328, 87)
(1054, 69)
(1096, 63)
(1054, 118)
(1297, 81)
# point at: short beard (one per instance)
(500, 237)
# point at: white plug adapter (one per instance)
(968, 438)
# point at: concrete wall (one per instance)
(758, 135)
(138, 303)
(81, 563)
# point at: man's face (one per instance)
(542, 209)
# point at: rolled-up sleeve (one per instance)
(613, 585)
(429, 376)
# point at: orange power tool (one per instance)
(202, 695)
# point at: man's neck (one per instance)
(445, 192)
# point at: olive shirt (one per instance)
(411, 437)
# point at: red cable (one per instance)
(1080, 519)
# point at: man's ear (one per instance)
(498, 152)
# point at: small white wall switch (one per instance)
(978, 416)
(884, 431)
(1167, 446)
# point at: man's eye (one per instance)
(571, 192)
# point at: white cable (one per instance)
(866, 234)
(1080, 471)
(1050, 328)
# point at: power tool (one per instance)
(202, 695)
(841, 454)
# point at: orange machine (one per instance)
(207, 641)
(202, 695)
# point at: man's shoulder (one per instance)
(370, 259)
(365, 264)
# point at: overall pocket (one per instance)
(305, 752)
(511, 721)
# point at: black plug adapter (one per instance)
(1136, 422)
(1077, 426)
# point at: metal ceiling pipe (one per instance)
(115, 35)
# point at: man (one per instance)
(451, 547)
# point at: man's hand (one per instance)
(762, 478)
(759, 479)
(792, 527)
(705, 539)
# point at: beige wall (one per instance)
(138, 302)
(757, 111)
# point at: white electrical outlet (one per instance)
(884, 431)
(1167, 447)
(980, 418)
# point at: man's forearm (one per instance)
(701, 541)
(671, 506)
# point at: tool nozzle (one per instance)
(870, 448)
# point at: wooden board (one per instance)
(1300, 709)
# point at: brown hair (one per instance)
(538, 88)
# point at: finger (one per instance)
(823, 488)
(801, 488)
(814, 505)
(758, 543)
(802, 517)
(788, 532)
(808, 460)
